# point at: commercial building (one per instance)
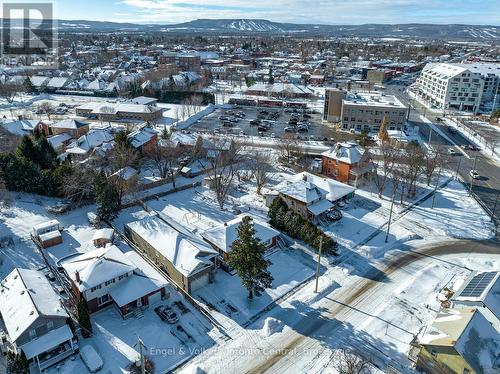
(465, 87)
(358, 111)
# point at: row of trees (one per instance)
(403, 165)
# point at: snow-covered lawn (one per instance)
(227, 296)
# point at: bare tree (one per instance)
(166, 160)
(433, 161)
(223, 168)
(78, 186)
(122, 155)
(8, 141)
(412, 167)
(8, 91)
(288, 147)
(386, 165)
(346, 362)
(47, 108)
(260, 167)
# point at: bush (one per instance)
(284, 219)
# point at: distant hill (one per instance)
(252, 26)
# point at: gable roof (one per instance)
(97, 266)
(224, 235)
(69, 123)
(26, 295)
(179, 246)
(468, 331)
(301, 190)
(335, 189)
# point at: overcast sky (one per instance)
(298, 11)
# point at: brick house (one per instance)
(346, 162)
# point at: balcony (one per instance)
(57, 355)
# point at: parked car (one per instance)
(91, 359)
(289, 129)
(167, 314)
(452, 130)
(302, 128)
(334, 215)
(472, 147)
(474, 174)
(254, 122)
(262, 128)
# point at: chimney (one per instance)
(225, 224)
(77, 276)
(304, 177)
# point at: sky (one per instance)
(480, 12)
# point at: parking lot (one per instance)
(269, 122)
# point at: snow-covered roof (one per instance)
(349, 152)
(90, 140)
(97, 266)
(57, 82)
(336, 190)
(69, 123)
(26, 295)
(224, 235)
(140, 137)
(39, 81)
(104, 233)
(144, 100)
(134, 287)
(185, 251)
(481, 287)
(126, 173)
(47, 342)
(319, 207)
(20, 127)
(57, 141)
(112, 108)
(301, 190)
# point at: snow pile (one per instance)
(271, 326)
(192, 369)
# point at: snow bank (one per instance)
(271, 326)
(181, 125)
(192, 369)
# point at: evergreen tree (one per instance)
(166, 134)
(46, 154)
(247, 258)
(27, 149)
(84, 317)
(121, 138)
(107, 198)
(17, 363)
(28, 85)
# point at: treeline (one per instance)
(284, 219)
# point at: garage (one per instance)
(197, 281)
(154, 298)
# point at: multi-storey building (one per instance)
(466, 87)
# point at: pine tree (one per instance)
(247, 258)
(383, 134)
(46, 154)
(107, 198)
(84, 317)
(17, 363)
(27, 149)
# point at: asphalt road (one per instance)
(487, 186)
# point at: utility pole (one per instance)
(430, 134)
(141, 345)
(319, 263)
(496, 202)
(435, 189)
(458, 167)
(390, 218)
(471, 178)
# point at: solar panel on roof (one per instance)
(478, 284)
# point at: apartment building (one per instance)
(466, 87)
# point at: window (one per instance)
(433, 353)
(32, 334)
(95, 288)
(102, 300)
(109, 282)
(123, 276)
(50, 325)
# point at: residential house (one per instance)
(75, 128)
(223, 236)
(304, 198)
(346, 162)
(481, 290)
(143, 140)
(84, 145)
(106, 276)
(187, 259)
(33, 319)
(21, 127)
(460, 341)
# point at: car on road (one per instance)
(474, 174)
(452, 151)
(289, 129)
(452, 130)
(472, 147)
